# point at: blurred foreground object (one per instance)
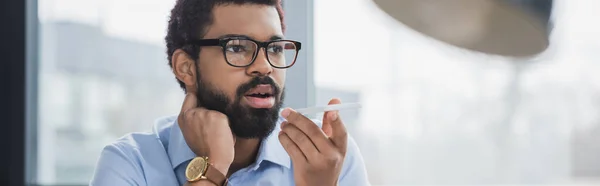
(510, 28)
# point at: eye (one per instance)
(235, 48)
(275, 49)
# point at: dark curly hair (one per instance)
(190, 18)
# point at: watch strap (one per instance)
(215, 176)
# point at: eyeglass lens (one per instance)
(239, 52)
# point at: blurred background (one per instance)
(432, 114)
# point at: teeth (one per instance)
(260, 94)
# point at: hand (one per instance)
(207, 133)
(317, 155)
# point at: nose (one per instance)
(261, 66)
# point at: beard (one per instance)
(245, 121)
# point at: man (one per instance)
(230, 57)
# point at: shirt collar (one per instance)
(270, 149)
(178, 150)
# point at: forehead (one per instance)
(259, 22)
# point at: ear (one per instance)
(184, 68)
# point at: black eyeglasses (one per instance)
(241, 51)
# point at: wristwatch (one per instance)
(200, 169)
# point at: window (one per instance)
(102, 70)
(434, 115)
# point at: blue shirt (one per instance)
(160, 159)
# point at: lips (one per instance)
(261, 96)
(261, 91)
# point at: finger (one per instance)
(339, 136)
(326, 123)
(292, 149)
(308, 127)
(301, 140)
(189, 102)
(234, 138)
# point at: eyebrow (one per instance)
(274, 37)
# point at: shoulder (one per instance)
(133, 144)
(138, 145)
(119, 162)
(127, 159)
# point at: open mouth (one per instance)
(261, 91)
(261, 96)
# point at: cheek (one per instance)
(279, 77)
(228, 84)
(220, 75)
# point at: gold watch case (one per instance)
(196, 169)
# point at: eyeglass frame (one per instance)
(222, 42)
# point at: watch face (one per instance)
(195, 169)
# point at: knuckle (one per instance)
(287, 144)
(283, 138)
(314, 131)
(301, 138)
(296, 135)
(333, 160)
(344, 135)
(288, 129)
(290, 146)
(189, 114)
(215, 114)
(294, 116)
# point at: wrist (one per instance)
(201, 183)
(221, 166)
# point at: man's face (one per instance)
(250, 96)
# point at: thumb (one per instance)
(338, 134)
(326, 118)
(189, 102)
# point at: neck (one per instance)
(246, 151)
